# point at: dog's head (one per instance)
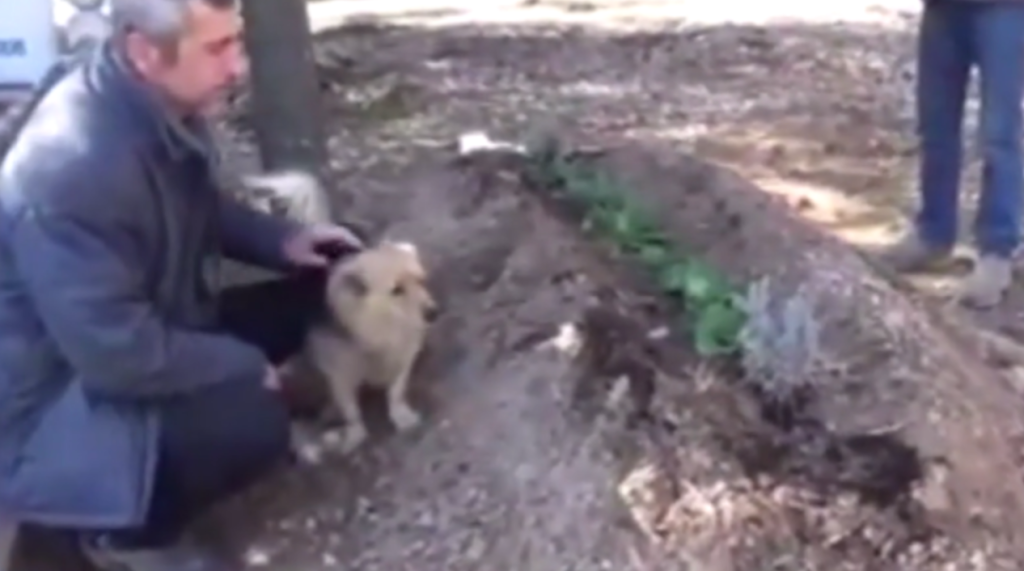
(386, 283)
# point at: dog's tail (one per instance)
(299, 192)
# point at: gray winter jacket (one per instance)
(107, 218)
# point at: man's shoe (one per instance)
(913, 254)
(987, 283)
(180, 557)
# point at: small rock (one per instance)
(476, 549)
(426, 519)
(480, 142)
(473, 142)
(933, 492)
(658, 333)
(618, 394)
(257, 557)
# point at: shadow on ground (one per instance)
(818, 111)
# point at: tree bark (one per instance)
(285, 100)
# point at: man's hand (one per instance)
(315, 246)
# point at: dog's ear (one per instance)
(407, 247)
(355, 284)
(400, 245)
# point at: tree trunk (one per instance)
(286, 107)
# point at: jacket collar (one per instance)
(181, 137)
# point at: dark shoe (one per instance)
(180, 557)
(912, 254)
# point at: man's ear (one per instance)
(143, 54)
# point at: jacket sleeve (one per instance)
(253, 237)
(83, 278)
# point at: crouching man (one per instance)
(133, 395)
(954, 36)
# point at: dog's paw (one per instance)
(348, 439)
(404, 417)
(310, 454)
(305, 446)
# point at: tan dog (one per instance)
(380, 309)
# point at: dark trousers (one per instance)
(217, 442)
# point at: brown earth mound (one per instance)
(901, 456)
(566, 433)
(902, 372)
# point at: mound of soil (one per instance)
(566, 431)
(907, 389)
(634, 453)
(500, 476)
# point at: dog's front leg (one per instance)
(305, 445)
(402, 415)
(346, 397)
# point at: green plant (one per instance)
(710, 303)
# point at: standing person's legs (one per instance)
(943, 68)
(217, 442)
(997, 35)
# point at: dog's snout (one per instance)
(431, 312)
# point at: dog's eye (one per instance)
(398, 290)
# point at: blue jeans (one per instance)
(955, 35)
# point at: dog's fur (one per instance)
(379, 310)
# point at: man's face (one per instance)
(207, 62)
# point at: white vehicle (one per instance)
(36, 35)
(28, 43)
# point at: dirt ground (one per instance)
(537, 455)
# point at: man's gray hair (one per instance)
(159, 20)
